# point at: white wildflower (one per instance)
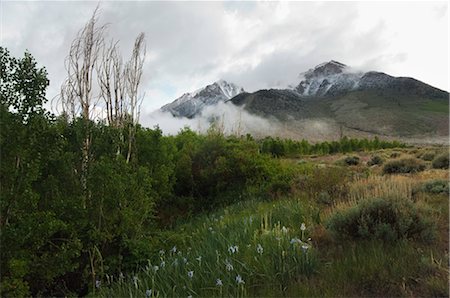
(305, 247)
(155, 268)
(98, 284)
(163, 264)
(303, 226)
(174, 249)
(239, 280)
(295, 240)
(284, 230)
(233, 249)
(161, 252)
(148, 293)
(259, 249)
(190, 274)
(219, 282)
(228, 265)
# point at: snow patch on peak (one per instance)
(191, 104)
(328, 78)
(230, 90)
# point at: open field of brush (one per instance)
(371, 223)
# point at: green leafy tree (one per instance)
(38, 246)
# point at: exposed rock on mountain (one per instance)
(191, 104)
(333, 99)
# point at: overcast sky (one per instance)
(253, 44)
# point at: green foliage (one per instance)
(387, 219)
(22, 84)
(375, 160)
(436, 187)
(403, 165)
(374, 268)
(261, 242)
(351, 160)
(285, 147)
(436, 106)
(326, 184)
(441, 161)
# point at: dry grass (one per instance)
(432, 174)
(397, 186)
(381, 186)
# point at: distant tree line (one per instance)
(278, 147)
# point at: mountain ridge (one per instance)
(190, 104)
(335, 94)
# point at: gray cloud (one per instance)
(253, 44)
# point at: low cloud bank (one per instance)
(226, 116)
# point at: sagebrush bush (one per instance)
(403, 165)
(436, 187)
(441, 161)
(375, 160)
(387, 219)
(395, 154)
(332, 181)
(351, 160)
(428, 156)
(324, 198)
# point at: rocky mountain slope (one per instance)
(191, 104)
(332, 99)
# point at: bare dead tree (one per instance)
(133, 76)
(112, 82)
(112, 75)
(80, 65)
(76, 92)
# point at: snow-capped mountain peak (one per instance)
(326, 69)
(328, 78)
(191, 104)
(230, 90)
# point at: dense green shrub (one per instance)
(403, 165)
(441, 161)
(436, 187)
(324, 198)
(278, 147)
(351, 160)
(375, 160)
(387, 219)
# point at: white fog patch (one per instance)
(230, 119)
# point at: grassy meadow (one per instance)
(311, 241)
